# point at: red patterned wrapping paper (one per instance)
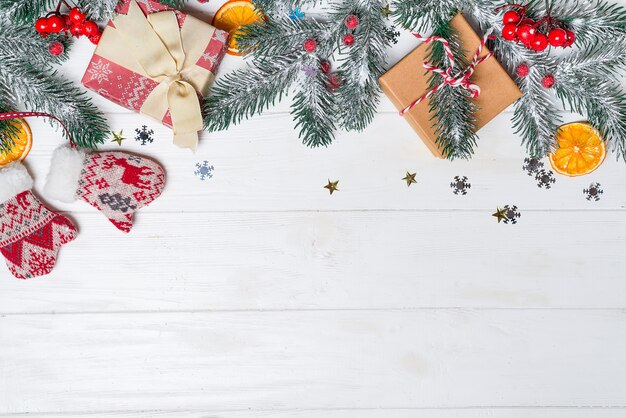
(130, 89)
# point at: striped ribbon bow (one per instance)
(460, 80)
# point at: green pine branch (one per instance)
(314, 107)
(42, 91)
(362, 64)
(23, 11)
(248, 92)
(422, 15)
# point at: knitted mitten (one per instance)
(30, 234)
(116, 183)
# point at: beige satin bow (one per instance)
(156, 42)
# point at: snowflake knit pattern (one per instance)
(31, 235)
(119, 184)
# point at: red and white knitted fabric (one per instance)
(30, 233)
(116, 183)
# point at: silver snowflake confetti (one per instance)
(512, 214)
(532, 166)
(204, 170)
(460, 185)
(594, 192)
(545, 179)
(309, 70)
(144, 135)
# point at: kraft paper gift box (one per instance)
(408, 81)
(160, 62)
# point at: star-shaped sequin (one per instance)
(118, 137)
(501, 215)
(410, 178)
(332, 186)
(386, 11)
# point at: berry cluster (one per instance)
(536, 35)
(74, 23)
(352, 22)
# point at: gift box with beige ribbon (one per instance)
(160, 62)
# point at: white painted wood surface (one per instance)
(256, 294)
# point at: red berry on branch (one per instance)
(348, 40)
(55, 24)
(523, 70)
(56, 48)
(77, 30)
(548, 81)
(352, 22)
(571, 38)
(95, 39)
(526, 33)
(557, 37)
(325, 67)
(334, 82)
(90, 28)
(41, 25)
(511, 17)
(310, 45)
(76, 16)
(540, 42)
(509, 32)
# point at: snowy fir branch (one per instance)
(21, 11)
(455, 126)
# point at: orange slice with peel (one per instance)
(580, 150)
(232, 16)
(23, 143)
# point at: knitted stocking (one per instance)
(30, 234)
(116, 183)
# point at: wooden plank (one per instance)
(262, 166)
(345, 260)
(359, 413)
(312, 360)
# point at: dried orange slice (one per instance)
(232, 16)
(580, 150)
(23, 143)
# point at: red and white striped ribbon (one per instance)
(460, 80)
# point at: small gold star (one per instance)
(410, 178)
(118, 137)
(332, 186)
(386, 11)
(501, 215)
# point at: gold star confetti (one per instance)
(386, 11)
(410, 178)
(118, 137)
(332, 186)
(501, 214)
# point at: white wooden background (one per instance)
(256, 294)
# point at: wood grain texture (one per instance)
(278, 360)
(257, 295)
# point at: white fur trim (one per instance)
(14, 179)
(64, 175)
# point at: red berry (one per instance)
(334, 82)
(557, 37)
(523, 70)
(95, 39)
(56, 48)
(540, 42)
(548, 81)
(325, 67)
(310, 45)
(55, 24)
(67, 21)
(77, 30)
(348, 40)
(571, 38)
(526, 33)
(352, 22)
(76, 16)
(41, 25)
(509, 32)
(511, 17)
(90, 28)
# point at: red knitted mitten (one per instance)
(116, 183)
(30, 233)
